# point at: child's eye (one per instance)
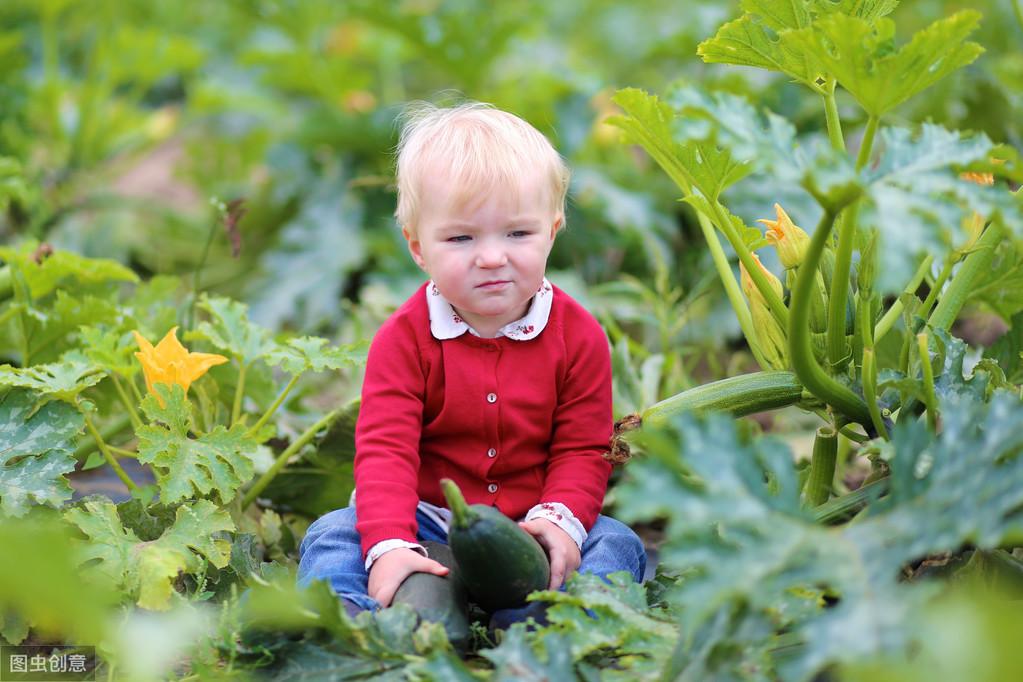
(520, 233)
(459, 238)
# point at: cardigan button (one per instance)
(491, 452)
(491, 397)
(492, 488)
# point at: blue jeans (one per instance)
(331, 551)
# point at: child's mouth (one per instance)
(494, 284)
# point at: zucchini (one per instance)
(499, 563)
(741, 395)
(439, 598)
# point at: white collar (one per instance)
(445, 323)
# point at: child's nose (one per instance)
(490, 257)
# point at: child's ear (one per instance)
(559, 222)
(415, 247)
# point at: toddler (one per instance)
(488, 375)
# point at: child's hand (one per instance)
(389, 571)
(561, 548)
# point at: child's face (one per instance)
(488, 256)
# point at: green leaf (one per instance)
(310, 661)
(748, 41)
(94, 461)
(699, 164)
(736, 528)
(1001, 288)
(387, 638)
(750, 236)
(219, 461)
(45, 276)
(303, 277)
(152, 308)
(62, 380)
(595, 617)
(1007, 351)
(918, 202)
(56, 332)
(231, 331)
(984, 379)
(51, 323)
(147, 570)
(860, 54)
(13, 628)
(864, 9)
(36, 451)
(109, 349)
(515, 659)
(12, 183)
(766, 141)
(779, 15)
(766, 35)
(41, 586)
(304, 353)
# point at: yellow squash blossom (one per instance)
(979, 178)
(171, 363)
(974, 225)
(769, 334)
(790, 239)
(750, 288)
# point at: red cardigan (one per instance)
(513, 423)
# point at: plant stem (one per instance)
(239, 394)
(133, 414)
(121, 451)
(282, 459)
(208, 415)
(135, 389)
(822, 466)
(887, 321)
(800, 344)
(105, 449)
(22, 295)
(840, 286)
(868, 142)
(732, 289)
(939, 282)
(961, 287)
(868, 376)
(774, 301)
(925, 307)
(837, 509)
(273, 408)
(114, 427)
(843, 258)
(846, 430)
(681, 177)
(461, 515)
(869, 380)
(931, 402)
(833, 120)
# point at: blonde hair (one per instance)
(479, 146)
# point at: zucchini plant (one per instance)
(910, 221)
(91, 389)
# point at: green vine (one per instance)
(282, 460)
(800, 343)
(961, 286)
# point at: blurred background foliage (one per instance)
(121, 120)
